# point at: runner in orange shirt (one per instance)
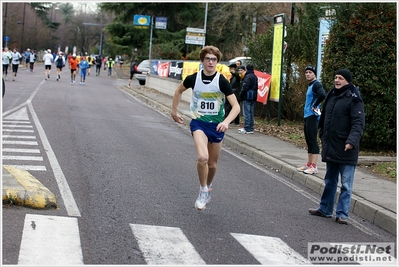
(73, 66)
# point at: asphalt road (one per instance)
(125, 174)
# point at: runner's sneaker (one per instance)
(241, 131)
(202, 200)
(251, 132)
(303, 168)
(311, 170)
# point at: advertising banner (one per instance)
(324, 32)
(263, 86)
(189, 68)
(278, 45)
(176, 70)
(163, 69)
(224, 70)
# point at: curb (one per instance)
(371, 212)
(27, 190)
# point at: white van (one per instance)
(244, 60)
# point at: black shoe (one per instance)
(341, 220)
(316, 212)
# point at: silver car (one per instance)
(145, 66)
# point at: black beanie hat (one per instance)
(346, 74)
(311, 68)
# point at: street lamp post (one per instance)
(101, 34)
(5, 24)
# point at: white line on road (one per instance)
(22, 158)
(18, 131)
(15, 122)
(19, 136)
(24, 143)
(66, 193)
(18, 113)
(20, 150)
(50, 240)
(17, 126)
(29, 167)
(270, 250)
(165, 245)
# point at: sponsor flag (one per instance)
(163, 69)
(263, 86)
(189, 68)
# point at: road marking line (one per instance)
(270, 250)
(21, 114)
(23, 158)
(165, 245)
(18, 131)
(15, 122)
(20, 150)
(19, 136)
(65, 191)
(25, 143)
(29, 167)
(50, 240)
(17, 126)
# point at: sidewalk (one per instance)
(374, 198)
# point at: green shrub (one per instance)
(363, 39)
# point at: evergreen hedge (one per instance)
(363, 39)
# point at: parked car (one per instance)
(147, 66)
(244, 60)
(144, 66)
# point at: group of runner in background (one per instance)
(77, 62)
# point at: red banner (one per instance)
(263, 86)
(163, 69)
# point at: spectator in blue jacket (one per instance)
(314, 96)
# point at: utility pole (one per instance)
(152, 28)
(23, 27)
(206, 18)
(5, 24)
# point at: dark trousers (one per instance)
(227, 109)
(310, 131)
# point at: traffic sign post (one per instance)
(6, 39)
(195, 36)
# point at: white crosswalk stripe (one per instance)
(50, 240)
(19, 135)
(55, 240)
(270, 250)
(165, 245)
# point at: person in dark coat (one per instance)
(235, 81)
(248, 96)
(342, 125)
(133, 70)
